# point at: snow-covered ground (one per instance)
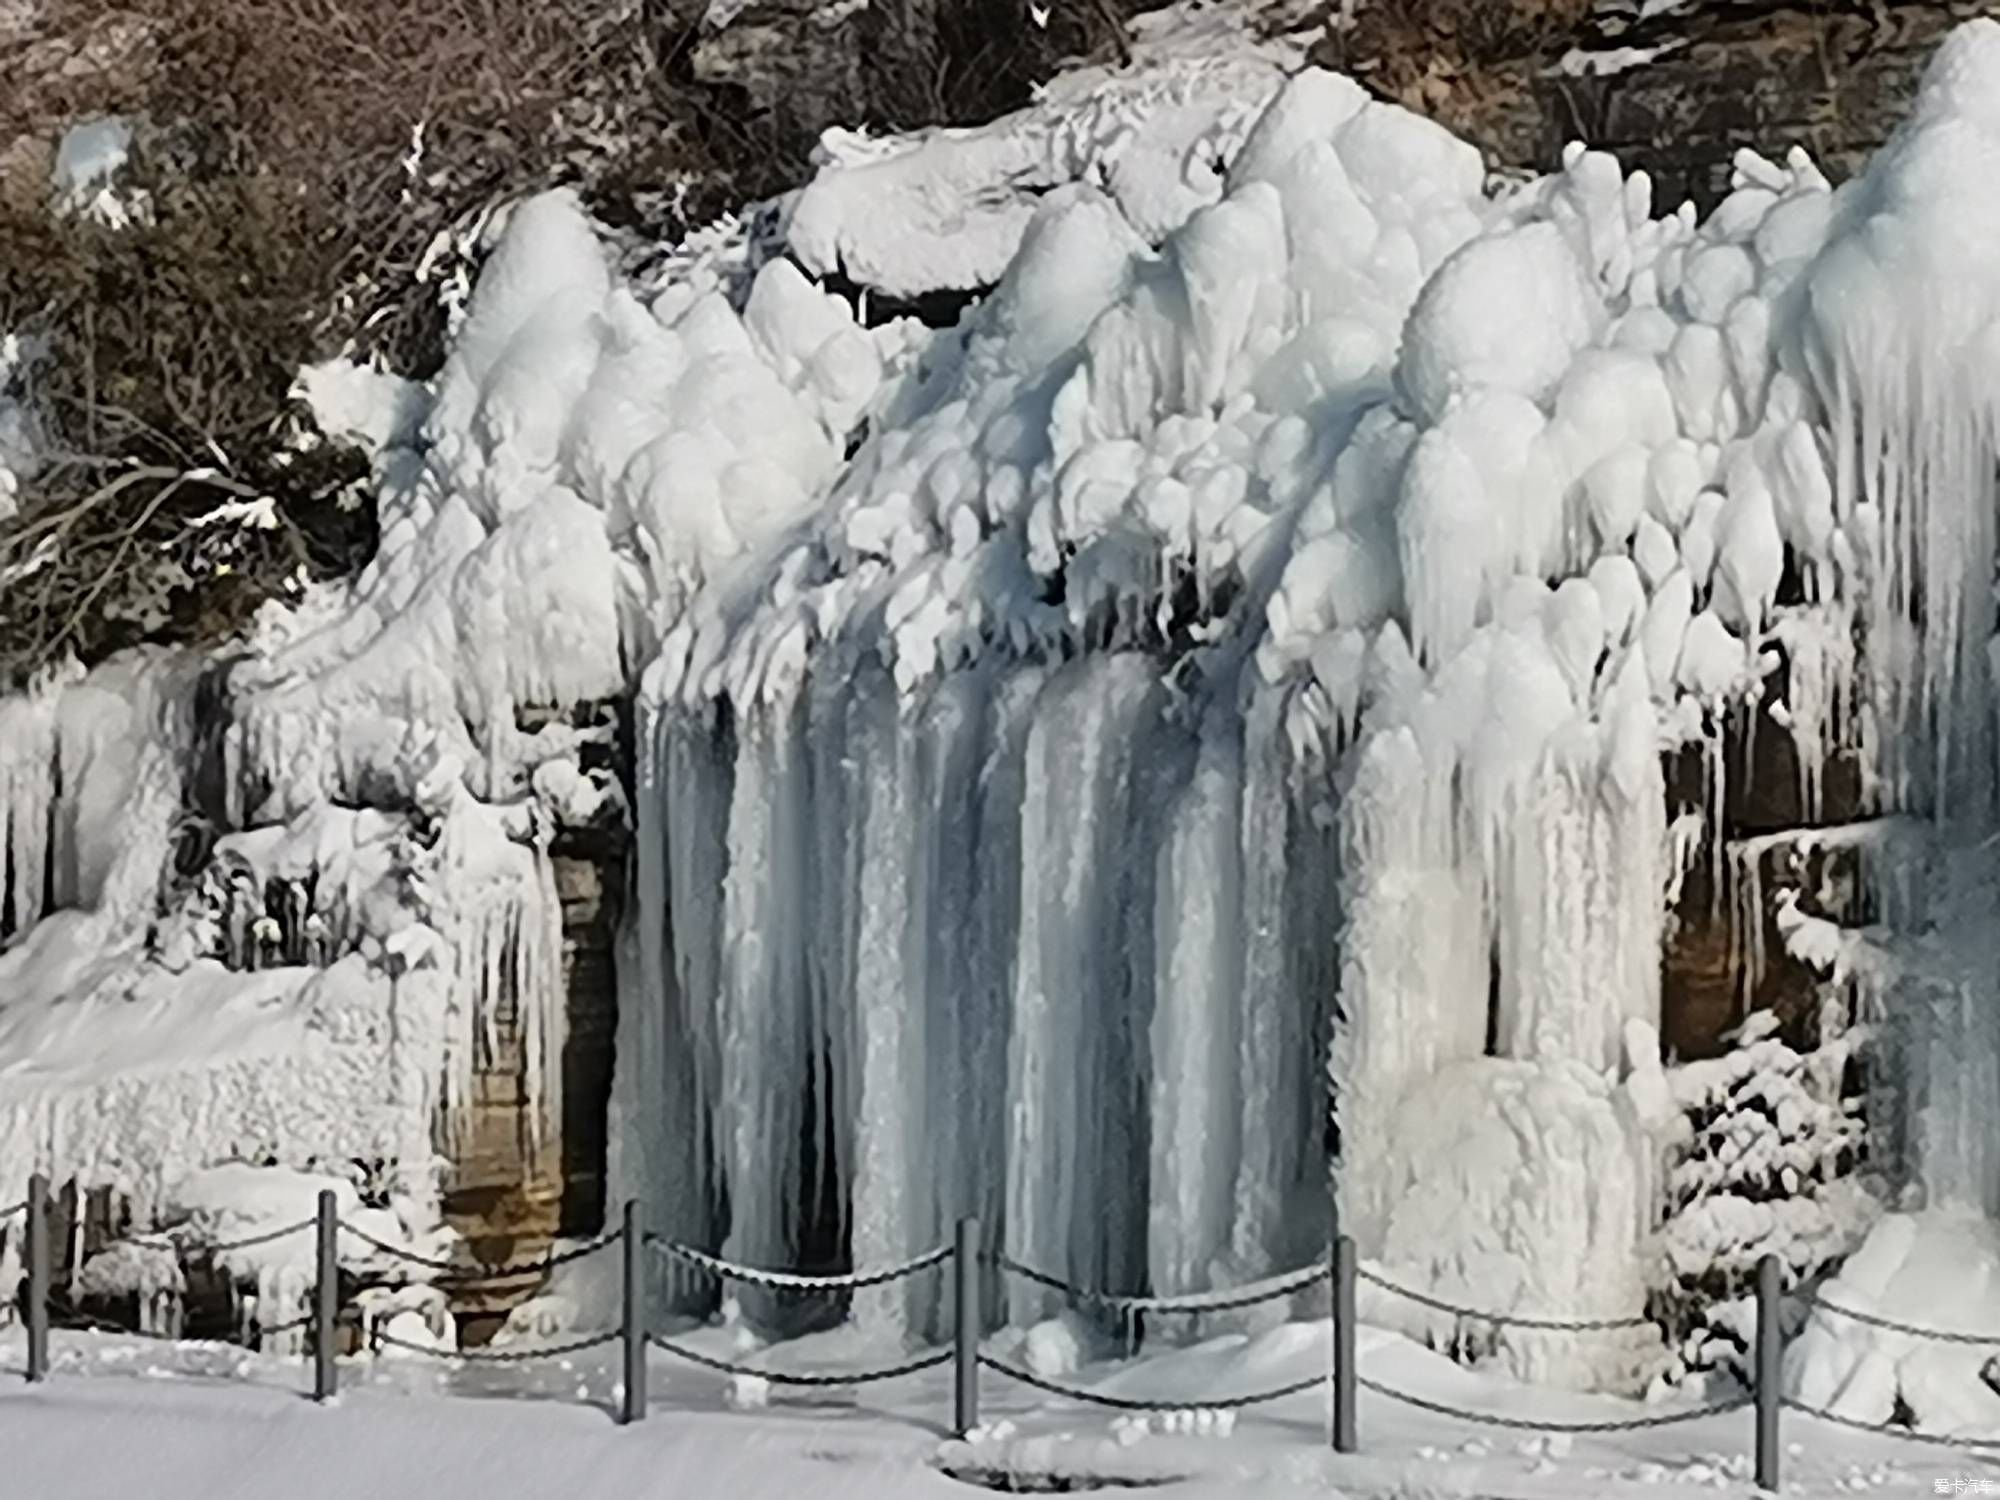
(115, 1424)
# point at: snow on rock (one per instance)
(396, 1311)
(947, 208)
(21, 438)
(347, 1031)
(588, 462)
(379, 892)
(1055, 1348)
(88, 160)
(1508, 312)
(1935, 1270)
(133, 1269)
(363, 405)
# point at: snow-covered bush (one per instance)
(1771, 1160)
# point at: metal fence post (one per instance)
(965, 1365)
(1345, 1371)
(38, 1277)
(634, 1409)
(1770, 1352)
(326, 1298)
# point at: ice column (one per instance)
(1076, 1201)
(1199, 965)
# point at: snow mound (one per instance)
(1512, 1187)
(1938, 1270)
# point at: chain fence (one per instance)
(380, 1338)
(76, 1320)
(797, 1282)
(453, 1273)
(810, 1379)
(1545, 1424)
(252, 1242)
(1192, 1304)
(1503, 1320)
(1890, 1325)
(1812, 1298)
(793, 1281)
(972, 1266)
(1138, 1404)
(1989, 1445)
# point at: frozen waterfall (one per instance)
(1032, 948)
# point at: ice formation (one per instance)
(1291, 613)
(316, 994)
(1238, 656)
(947, 209)
(20, 434)
(1472, 1160)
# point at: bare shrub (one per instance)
(298, 157)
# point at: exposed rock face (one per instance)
(782, 71)
(510, 1196)
(1677, 92)
(1832, 78)
(56, 75)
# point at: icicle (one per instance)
(495, 903)
(891, 1123)
(27, 803)
(1075, 1206)
(763, 1051)
(1275, 1079)
(1199, 941)
(949, 746)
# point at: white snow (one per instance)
(948, 208)
(89, 159)
(1478, 504)
(1512, 1188)
(351, 401)
(20, 429)
(114, 1422)
(1608, 62)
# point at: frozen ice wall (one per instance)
(1899, 335)
(284, 900)
(1263, 629)
(1060, 777)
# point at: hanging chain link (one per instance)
(1130, 1403)
(727, 1270)
(1191, 1304)
(1505, 1320)
(1541, 1424)
(781, 1377)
